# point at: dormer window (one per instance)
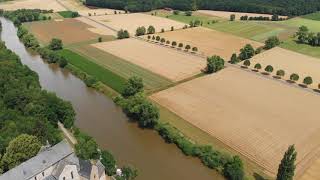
(43, 174)
(71, 175)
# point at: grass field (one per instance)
(255, 127)
(111, 79)
(66, 14)
(163, 61)
(314, 16)
(306, 49)
(226, 14)
(297, 22)
(210, 42)
(290, 62)
(121, 67)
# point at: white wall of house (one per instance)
(69, 172)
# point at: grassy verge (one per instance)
(122, 67)
(66, 14)
(301, 48)
(297, 22)
(109, 78)
(313, 16)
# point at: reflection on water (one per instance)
(98, 116)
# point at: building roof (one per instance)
(85, 168)
(39, 163)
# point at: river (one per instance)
(98, 116)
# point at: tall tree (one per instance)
(287, 166)
(133, 86)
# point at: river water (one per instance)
(98, 116)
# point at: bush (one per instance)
(163, 40)
(280, 73)
(233, 169)
(188, 47)
(234, 59)
(247, 52)
(63, 62)
(100, 39)
(294, 77)
(172, 28)
(258, 50)
(158, 38)
(180, 45)
(133, 86)
(269, 69)
(55, 44)
(194, 49)
(87, 147)
(188, 13)
(167, 42)
(174, 43)
(257, 66)
(232, 17)
(153, 38)
(151, 30)
(214, 64)
(90, 81)
(162, 30)
(109, 162)
(307, 80)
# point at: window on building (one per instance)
(71, 175)
(42, 173)
(64, 178)
(35, 178)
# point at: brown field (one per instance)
(290, 62)
(256, 116)
(96, 27)
(32, 4)
(74, 5)
(210, 42)
(132, 21)
(163, 61)
(98, 12)
(226, 14)
(68, 30)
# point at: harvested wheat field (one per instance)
(99, 12)
(32, 4)
(226, 14)
(256, 116)
(290, 62)
(68, 30)
(210, 42)
(96, 27)
(165, 62)
(132, 21)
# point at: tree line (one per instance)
(280, 7)
(274, 17)
(305, 36)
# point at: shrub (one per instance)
(168, 42)
(162, 30)
(247, 52)
(153, 38)
(294, 77)
(180, 45)
(188, 13)
(63, 62)
(55, 44)
(90, 81)
(307, 80)
(280, 73)
(258, 50)
(158, 38)
(172, 28)
(269, 69)
(133, 86)
(232, 17)
(234, 59)
(151, 30)
(214, 64)
(257, 66)
(100, 39)
(234, 169)
(246, 63)
(122, 34)
(149, 37)
(163, 40)
(109, 162)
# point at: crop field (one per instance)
(96, 27)
(32, 4)
(121, 67)
(209, 42)
(290, 62)
(226, 14)
(132, 21)
(68, 30)
(313, 25)
(99, 12)
(165, 62)
(73, 5)
(249, 113)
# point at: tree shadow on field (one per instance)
(258, 177)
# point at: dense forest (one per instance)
(26, 109)
(281, 7)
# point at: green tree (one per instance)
(307, 80)
(272, 42)
(55, 44)
(19, 150)
(167, 42)
(269, 69)
(214, 64)
(133, 86)
(109, 162)
(246, 63)
(188, 47)
(151, 30)
(87, 147)
(257, 66)
(247, 52)
(158, 38)
(195, 49)
(188, 13)
(302, 34)
(163, 40)
(232, 17)
(287, 166)
(128, 173)
(234, 59)
(294, 77)
(180, 45)
(141, 31)
(63, 62)
(122, 34)
(174, 43)
(280, 73)
(233, 169)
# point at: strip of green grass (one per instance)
(301, 48)
(122, 67)
(66, 14)
(313, 16)
(109, 78)
(297, 22)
